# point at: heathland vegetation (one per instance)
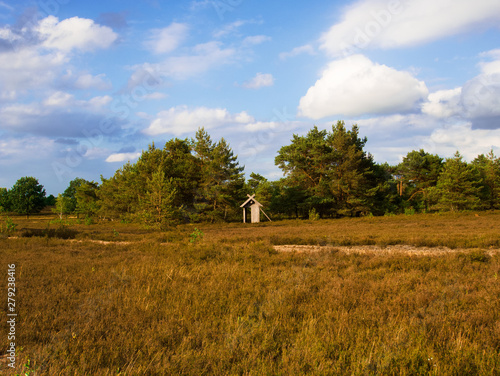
(116, 298)
(327, 174)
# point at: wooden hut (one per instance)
(255, 209)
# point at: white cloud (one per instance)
(155, 95)
(306, 49)
(87, 81)
(256, 39)
(59, 99)
(166, 40)
(229, 28)
(481, 95)
(21, 70)
(393, 24)
(478, 100)
(122, 157)
(262, 126)
(46, 47)
(74, 33)
(470, 142)
(203, 57)
(443, 103)
(59, 115)
(260, 80)
(181, 120)
(355, 86)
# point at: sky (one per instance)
(86, 86)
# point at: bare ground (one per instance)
(365, 249)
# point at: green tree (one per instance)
(28, 196)
(157, 206)
(254, 181)
(335, 173)
(417, 172)
(119, 195)
(70, 193)
(87, 201)
(222, 182)
(288, 201)
(489, 170)
(458, 186)
(5, 200)
(62, 206)
(50, 200)
(123, 194)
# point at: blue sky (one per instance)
(86, 86)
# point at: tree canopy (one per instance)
(27, 196)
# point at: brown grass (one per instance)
(147, 303)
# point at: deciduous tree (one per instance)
(28, 196)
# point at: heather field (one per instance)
(223, 299)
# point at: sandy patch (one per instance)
(363, 249)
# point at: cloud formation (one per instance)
(478, 101)
(201, 58)
(305, 49)
(181, 120)
(356, 86)
(401, 23)
(260, 80)
(74, 34)
(167, 39)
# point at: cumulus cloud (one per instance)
(477, 101)
(481, 96)
(167, 39)
(122, 157)
(443, 103)
(181, 120)
(470, 142)
(74, 34)
(355, 86)
(260, 80)
(47, 47)
(21, 70)
(393, 24)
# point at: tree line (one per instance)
(327, 174)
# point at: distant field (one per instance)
(117, 299)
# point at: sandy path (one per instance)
(405, 249)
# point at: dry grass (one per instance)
(155, 304)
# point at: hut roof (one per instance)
(251, 201)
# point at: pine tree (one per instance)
(418, 172)
(489, 170)
(332, 169)
(87, 201)
(222, 180)
(458, 186)
(157, 206)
